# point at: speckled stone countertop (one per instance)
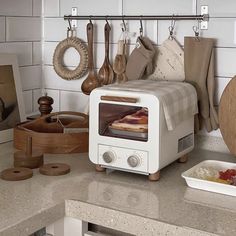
(119, 200)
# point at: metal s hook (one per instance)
(173, 22)
(106, 19)
(196, 30)
(124, 29)
(90, 19)
(171, 28)
(70, 31)
(69, 22)
(141, 27)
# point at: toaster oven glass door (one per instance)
(122, 121)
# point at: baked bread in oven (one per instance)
(136, 122)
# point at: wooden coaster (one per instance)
(17, 173)
(54, 169)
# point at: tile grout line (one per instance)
(5, 29)
(32, 104)
(32, 6)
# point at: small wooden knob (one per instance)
(45, 105)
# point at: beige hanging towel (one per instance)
(199, 71)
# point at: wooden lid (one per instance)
(54, 169)
(17, 173)
(227, 115)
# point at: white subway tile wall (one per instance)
(51, 8)
(67, 94)
(37, 53)
(55, 94)
(28, 99)
(219, 7)
(16, 8)
(37, 8)
(90, 7)
(73, 101)
(157, 7)
(37, 93)
(31, 77)
(23, 29)
(20, 34)
(157, 31)
(2, 29)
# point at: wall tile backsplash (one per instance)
(16, 8)
(30, 32)
(55, 30)
(157, 7)
(20, 27)
(20, 34)
(2, 29)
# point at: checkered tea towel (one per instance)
(178, 99)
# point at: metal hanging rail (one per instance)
(204, 17)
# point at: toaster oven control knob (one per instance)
(133, 161)
(108, 156)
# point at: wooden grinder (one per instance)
(29, 159)
(45, 105)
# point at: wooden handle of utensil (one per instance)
(107, 30)
(90, 45)
(119, 99)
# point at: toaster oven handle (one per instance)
(119, 99)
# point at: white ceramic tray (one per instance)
(210, 185)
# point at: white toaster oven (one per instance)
(143, 152)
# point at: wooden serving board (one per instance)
(227, 115)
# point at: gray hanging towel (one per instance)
(199, 71)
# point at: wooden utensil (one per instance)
(119, 64)
(121, 78)
(227, 115)
(106, 74)
(91, 82)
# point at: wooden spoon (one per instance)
(106, 74)
(119, 64)
(91, 82)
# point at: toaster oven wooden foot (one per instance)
(99, 168)
(154, 176)
(183, 159)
